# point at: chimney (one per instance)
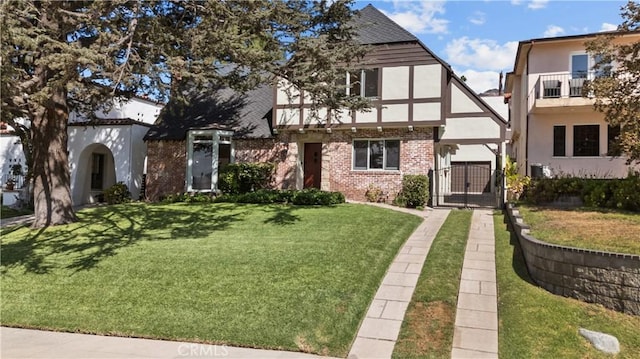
(500, 85)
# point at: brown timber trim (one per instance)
(472, 141)
(469, 114)
(445, 93)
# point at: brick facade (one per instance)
(166, 164)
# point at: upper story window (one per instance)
(582, 67)
(208, 152)
(376, 155)
(363, 83)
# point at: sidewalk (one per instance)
(476, 326)
(35, 344)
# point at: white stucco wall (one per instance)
(395, 83)
(470, 128)
(10, 154)
(135, 109)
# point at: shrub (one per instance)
(118, 193)
(303, 197)
(602, 193)
(374, 194)
(415, 191)
(238, 178)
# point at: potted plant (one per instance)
(10, 184)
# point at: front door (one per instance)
(312, 165)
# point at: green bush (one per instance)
(118, 193)
(415, 191)
(239, 178)
(303, 197)
(601, 193)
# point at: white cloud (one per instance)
(419, 17)
(478, 18)
(537, 4)
(608, 27)
(553, 31)
(481, 54)
(481, 81)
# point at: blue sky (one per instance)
(480, 38)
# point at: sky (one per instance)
(480, 38)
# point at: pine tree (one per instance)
(63, 56)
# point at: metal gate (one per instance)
(467, 184)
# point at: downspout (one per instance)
(526, 149)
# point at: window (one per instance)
(97, 171)
(586, 141)
(559, 141)
(208, 152)
(376, 154)
(363, 82)
(579, 66)
(613, 136)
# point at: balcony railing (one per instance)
(562, 85)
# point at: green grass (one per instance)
(606, 230)
(297, 278)
(537, 324)
(427, 330)
(8, 212)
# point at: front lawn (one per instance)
(537, 324)
(297, 278)
(9, 212)
(605, 230)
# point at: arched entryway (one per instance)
(95, 172)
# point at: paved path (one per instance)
(476, 327)
(380, 328)
(34, 344)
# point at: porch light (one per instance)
(353, 129)
(410, 128)
(379, 128)
(301, 130)
(328, 129)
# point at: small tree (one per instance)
(617, 89)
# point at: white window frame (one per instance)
(217, 137)
(384, 155)
(591, 62)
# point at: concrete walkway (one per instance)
(380, 328)
(476, 327)
(35, 344)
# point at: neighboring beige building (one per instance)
(554, 127)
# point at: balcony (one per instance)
(564, 90)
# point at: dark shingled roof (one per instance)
(249, 115)
(374, 27)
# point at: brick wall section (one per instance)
(610, 279)
(166, 163)
(416, 157)
(166, 168)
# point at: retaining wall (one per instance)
(610, 279)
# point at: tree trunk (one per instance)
(52, 185)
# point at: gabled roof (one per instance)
(374, 27)
(108, 122)
(247, 115)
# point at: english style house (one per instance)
(423, 117)
(556, 130)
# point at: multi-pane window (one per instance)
(613, 140)
(559, 141)
(363, 83)
(208, 152)
(586, 140)
(376, 154)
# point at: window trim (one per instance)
(384, 155)
(216, 140)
